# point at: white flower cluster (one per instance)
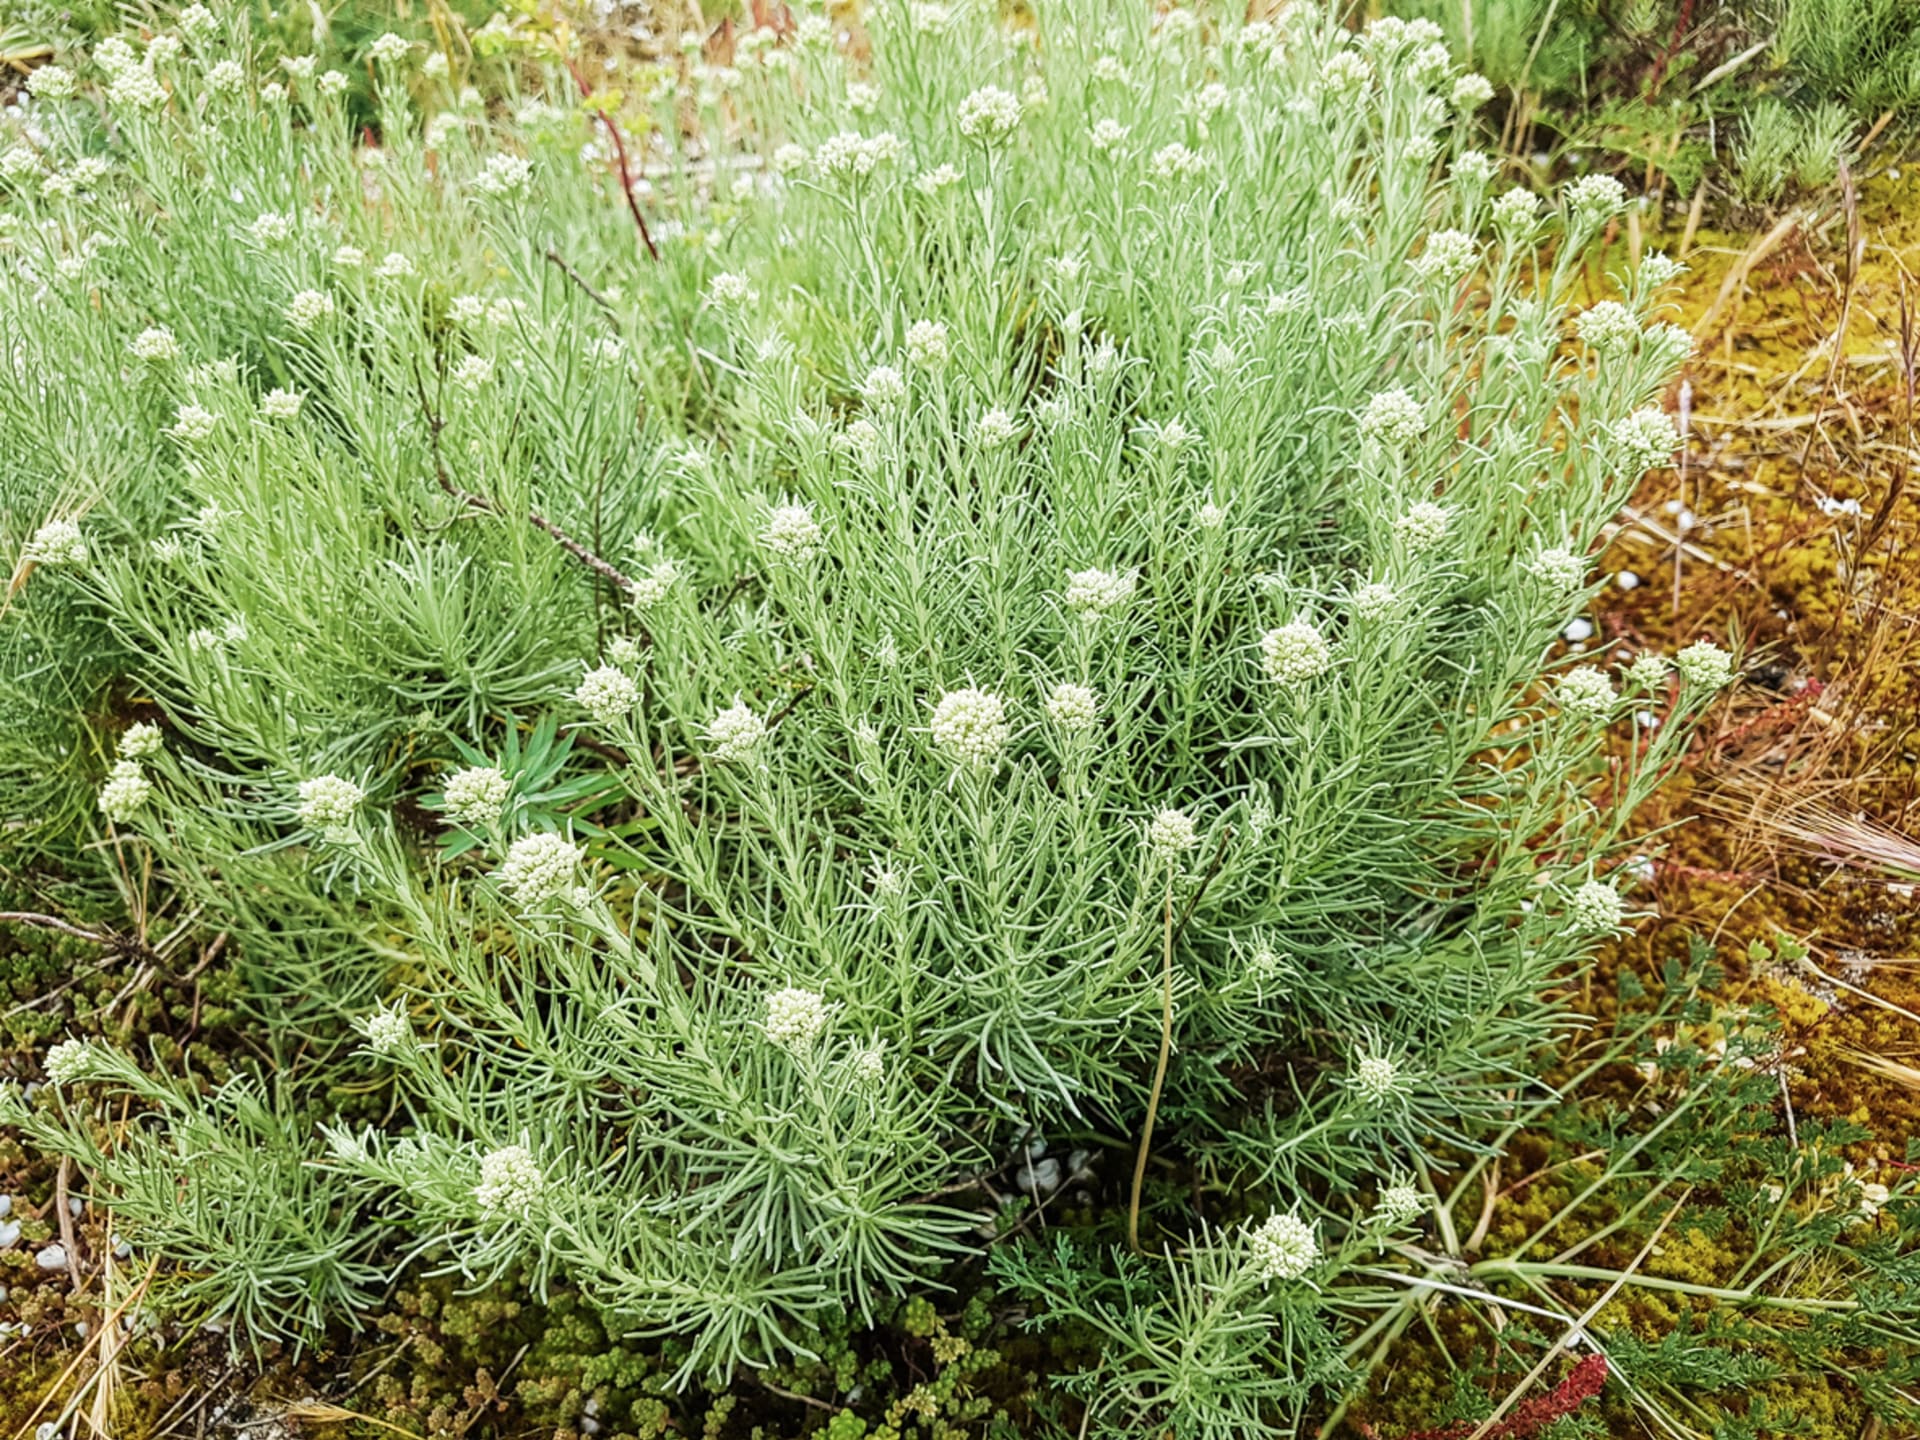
(1398, 1204)
(1375, 1078)
(280, 404)
(58, 542)
(1586, 692)
(1423, 526)
(1282, 1247)
(927, 344)
(884, 387)
(329, 804)
(510, 1183)
(1171, 834)
(731, 291)
(1515, 212)
(388, 1030)
(792, 533)
(477, 795)
(970, 727)
(653, 584)
(1559, 567)
(736, 732)
(1705, 666)
(1596, 908)
(539, 868)
(193, 423)
(1295, 653)
(1608, 328)
(1448, 256)
(309, 309)
(795, 1019)
(1375, 601)
(1646, 438)
(68, 1062)
(140, 741)
(154, 345)
(608, 694)
(850, 157)
(989, 115)
(1074, 708)
(126, 792)
(1094, 593)
(1594, 198)
(1393, 418)
(995, 429)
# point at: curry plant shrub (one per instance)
(1006, 598)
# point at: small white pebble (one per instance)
(75, 1205)
(1578, 629)
(1627, 580)
(9, 1232)
(1039, 1180)
(6, 1206)
(1647, 720)
(54, 1257)
(121, 1250)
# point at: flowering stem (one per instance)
(1159, 1075)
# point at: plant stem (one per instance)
(1159, 1076)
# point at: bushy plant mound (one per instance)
(983, 625)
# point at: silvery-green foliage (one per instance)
(1061, 498)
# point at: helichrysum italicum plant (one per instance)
(1048, 574)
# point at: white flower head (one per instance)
(477, 795)
(388, 1030)
(281, 404)
(69, 1061)
(1423, 526)
(989, 115)
(970, 727)
(731, 291)
(226, 77)
(791, 533)
(1283, 1247)
(1585, 692)
(1375, 1078)
(471, 373)
(1608, 328)
(137, 89)
(192, 423)
(1646, 438)
(539, 868)
(511, 1184)
(329, 804)
(995, 429)
(1295, 653)
(1515, 212)
(1074, 708)
(394, 265)
(927, 344)
(309, 309)
(140, 741)
(654, 584)
(389, 49)
(270, 228)
(1596, 908)
(1393, 418)
(504, 176)
(1375, 601)
(1399, 1204)
(1095, 593)
(126, 792)
(883, 388)
(1170, 836)
(795, 1019)
(1108, 134)
(155, 346)
(1704, 666)
(608, 694)
(1649, 671)
(1594, 198)
(1448, 256)
(1559, 567)
(735, 733)
(51, 82)
(1176, 162)
(58, 542)
(1470, 92)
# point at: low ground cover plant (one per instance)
(968, 617)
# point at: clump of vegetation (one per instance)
(759, 710)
